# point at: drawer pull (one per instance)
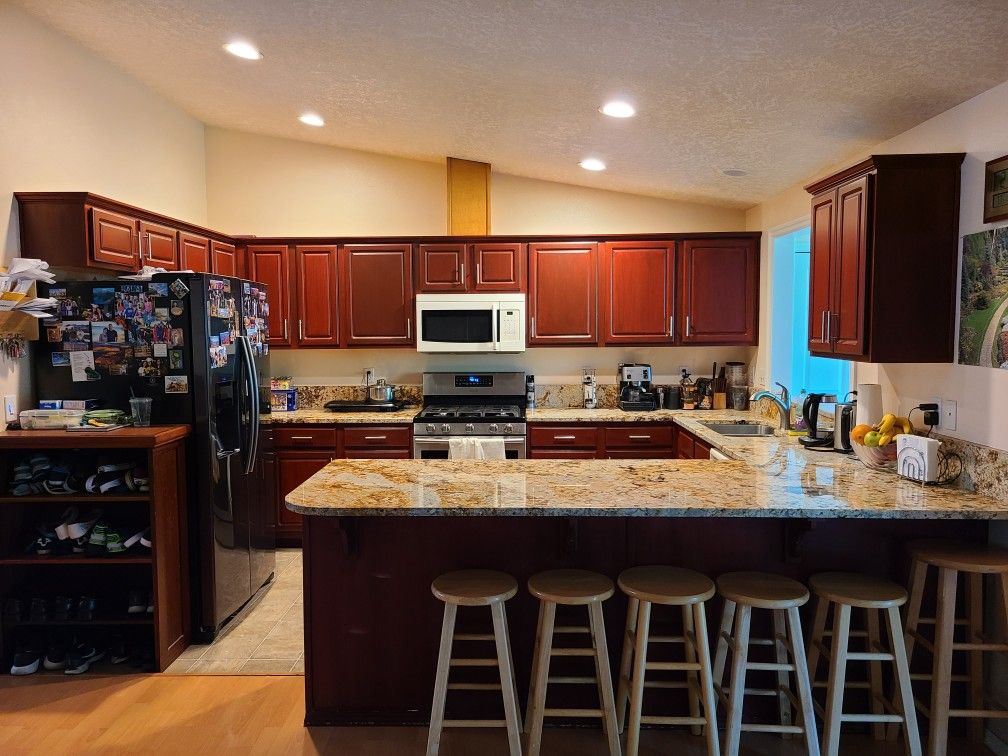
(564, 438)
(639, 438)
(301, 438)
(375, 438)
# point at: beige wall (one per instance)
(70, 121)
(976, 127)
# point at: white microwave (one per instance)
(470, 322)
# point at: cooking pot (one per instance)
(381, 392)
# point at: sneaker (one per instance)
(26, 662)
(117, 650)
(63, 529)
(98, 540)
(87, 608)
(39, 610)
(82, 526)
(136, 538)
(56, 653)
(81, 657)
(150, 603)
(146, 540)
(137, 602)
(44, 544)
(62, 608)
(114, 541)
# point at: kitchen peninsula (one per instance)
(377, 532)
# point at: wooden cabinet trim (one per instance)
(269, 264)
(629, 301)
(442, 268)
(158, 245)
(317, 296)
(377, 292)
(548, 299)
(114, 241)
(194, 252)
(507, 263)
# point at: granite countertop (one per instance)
(766, 477)
(325, 417)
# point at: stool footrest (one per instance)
(790, 729)
(691, 721)
(572, 680)
(474, 686)
(473, 636)
(474, 723)
(979, 713)
(587, 713)
(895, 718)
(673, 666)
(571, 629)
(473, 662)
(571, 652)
(973, 646)
(769, 666)
(869, 656)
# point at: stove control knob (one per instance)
(469, 428)
(430, 428)
(492, 427)
(445, 428)
(509, 428)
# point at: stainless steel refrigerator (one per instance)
(198, 345)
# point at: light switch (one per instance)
(10, 408)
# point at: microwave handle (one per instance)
(495, 324)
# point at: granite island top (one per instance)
(765, 477)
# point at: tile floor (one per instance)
(266, 638)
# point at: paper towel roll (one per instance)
(869, 403)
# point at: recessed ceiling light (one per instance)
(311, 119)
(733, 172)
(244, 50)
(618, 109)
(592, 164)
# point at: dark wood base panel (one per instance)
(372, 626)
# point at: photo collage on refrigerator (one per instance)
(227, 322)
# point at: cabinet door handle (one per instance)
(533, 327)
(300, 330)
(564, 438)
(461, 273)
(140, 244)
(822, 327)
(285, 329)
(477, 281)
(671, 326)
(409, 328)
(639, 438)
(829, 327)
(689, 326)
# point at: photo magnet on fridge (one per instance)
(160, 350)
(176, 307)
(176, 359)
(177, 337)
(60, 359)
(75, 335)
(53, 335)
(158, 288)
(107, 332)
(178, 288)
(112, 360)
(176, 384)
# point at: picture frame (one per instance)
(996, 190)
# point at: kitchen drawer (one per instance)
(623, 437)
(561, 454)
(567, 437)
(641, 454)
(377, 454)
(314, 438)
(376, 435)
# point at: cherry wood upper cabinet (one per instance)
(316, 284)
(194, 253)
(158, 246)
(441, 268)
(498, 266)
(224, 259)
(821, 276)
(376, 293)
(638, 292)
(268, 264)
(719, 291)
(114, 240)
(888, 224)
(563, 293)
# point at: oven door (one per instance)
(436, 447)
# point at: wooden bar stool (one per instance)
(475, 588)
(743, 592)
(570, 588)
(846, 591)
(668, 586)
(951, 558)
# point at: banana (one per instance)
(905, 424)
(887, 424)
(885, 439)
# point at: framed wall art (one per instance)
(996, 190)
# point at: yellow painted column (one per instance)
(468, 197)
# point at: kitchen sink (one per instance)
(740, 429)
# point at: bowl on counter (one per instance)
(877, 457)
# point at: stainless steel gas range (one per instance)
(472, 405)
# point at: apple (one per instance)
(872, 438)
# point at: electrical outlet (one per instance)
(10, 408)
(948, 415)
(369, 376)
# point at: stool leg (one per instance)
(706, 679)
(693, 680)
(875, 673)
(974, 594)
(837, 679)
(721, 645)
(803, 682)
(626, 659)
(904, 688)
(918, 579)
(941, 678)
(637, 681)
(540, 672)
(507, 680)
(441, 680)
(604, 676)
(740, 657)
(818, 633)
(514, 677)
(780, 653)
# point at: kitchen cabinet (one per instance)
(194, 253)
(316, 284)
(563, 293)
(269, 264)
(689, 446)
(592, 441)
(224, 259)
(292, 469)
(719, 291)
(158, 246)
(581, 436)
(376, 293)
(113, 240)
(460, 267)
(884, 260)
(637, 282)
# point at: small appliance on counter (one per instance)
(843, 423)
(635, 391)
(815, 438)
(380, 397)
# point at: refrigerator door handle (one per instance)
(251, 379)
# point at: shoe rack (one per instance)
(163, 569)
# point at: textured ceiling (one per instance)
(780, 88)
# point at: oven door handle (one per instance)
(443, 440)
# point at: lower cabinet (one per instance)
(590, 441)
(688, 446)
(293, 468)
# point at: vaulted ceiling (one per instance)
(777, 88)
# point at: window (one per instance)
(790, 361)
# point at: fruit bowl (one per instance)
(877, 457)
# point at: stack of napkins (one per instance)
(16, 284)
(144, 274)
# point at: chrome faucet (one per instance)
(783, 403)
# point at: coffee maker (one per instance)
(635, 391)
(816, 439)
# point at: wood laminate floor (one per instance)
(247, 714)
